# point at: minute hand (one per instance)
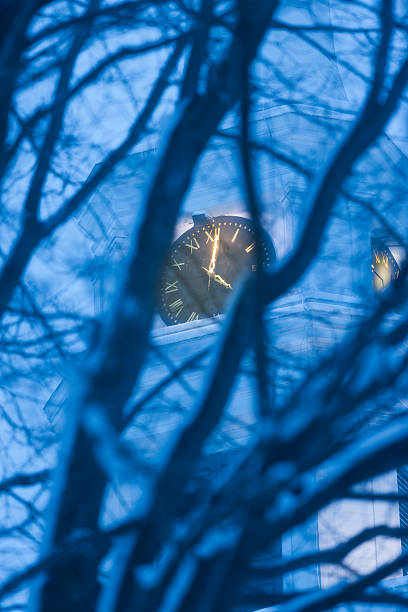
(214, 253)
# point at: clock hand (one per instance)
(214, 253)
(218, 279)
(380, 277)
(213, 259)
(221, 281)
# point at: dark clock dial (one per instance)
(204, 266)
(383, 265)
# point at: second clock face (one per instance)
(384, 267)
(204, 266)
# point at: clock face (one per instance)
(384, 267)
(204, 267)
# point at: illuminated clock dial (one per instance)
(383, 265)
(204, 266)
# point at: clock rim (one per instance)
(266, 240)
(379, 245)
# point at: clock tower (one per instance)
(208, 254)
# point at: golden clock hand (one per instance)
(218, 279)
(221, 281)
(213, 259)
(214, 253)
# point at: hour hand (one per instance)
(221, 281)
(218, 279)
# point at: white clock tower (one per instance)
(335, 294)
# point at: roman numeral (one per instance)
(250, 247)
(193, 317)
(170, 287)
(191, 246)
(177, 265)
(235, 235)
(176, 307)
(209, 236)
